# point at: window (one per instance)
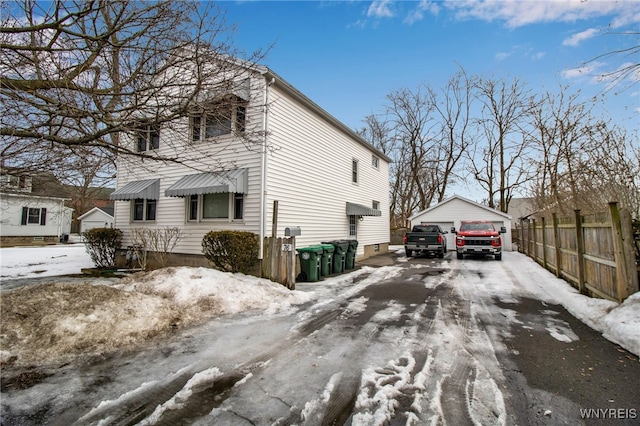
(144, 209)
(219, 118)
(354, 171)
(216, 206)
(375, 162)
(148, 138)
(353, 226)
(34, 216)
(375, 205)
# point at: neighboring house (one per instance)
(326, 179)
(96, 218)
(450, 212)
(31, 219)
(519, 208)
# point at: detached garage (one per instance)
(456, 209)
(96, 218)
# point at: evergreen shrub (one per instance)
(231, 251)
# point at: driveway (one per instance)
(402, 341)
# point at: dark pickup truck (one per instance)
(425, 238)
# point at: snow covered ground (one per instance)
(254, 313)
(618, 323)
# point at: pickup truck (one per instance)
(478, 238)
(425, 238)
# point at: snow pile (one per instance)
(85, 319)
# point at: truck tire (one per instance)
(498, 256)
(441, 254)
(460, 255)
(409, 252)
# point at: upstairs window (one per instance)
(219, 118)
(375, 162)
(354, 171)
(148, 138)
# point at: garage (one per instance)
(450, 212)
(96, 218)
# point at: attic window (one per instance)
(148, 138)
(219, 118)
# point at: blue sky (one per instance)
(348, 55)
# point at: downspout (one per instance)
(263, 196)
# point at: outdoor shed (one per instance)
(96, 218)
(450, 212)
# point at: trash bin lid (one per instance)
(328, 248)
(353, 244)
(311, 249)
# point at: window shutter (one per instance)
(25, 213)
(43, 216)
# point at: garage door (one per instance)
(91, 224)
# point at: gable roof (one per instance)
(96, 209)
(457, 197)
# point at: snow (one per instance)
(262, 312)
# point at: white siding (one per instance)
(457, 210)
(58, 217)
(310, 174)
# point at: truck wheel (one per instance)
(409, 252)
(498, 256)
(460, 256)
(441, 254)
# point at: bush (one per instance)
(101, 244)
(231, 251)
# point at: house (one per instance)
(326, 179)
(96, 218)
(31, 219)
(450, 212)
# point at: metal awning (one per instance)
(209, 183)
(149, 189)
(360, 210)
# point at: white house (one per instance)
(30, 219)
(96, 218)
(326, 179)
(450, 212)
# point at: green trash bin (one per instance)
(326, 263)
(350, 259)
(310, 263)
(341, 247)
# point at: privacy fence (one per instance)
(595, 253)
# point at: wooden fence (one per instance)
(595, 253)
(279, 260)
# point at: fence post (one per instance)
(626, 275)
(556, 242)
(580, 241)
(544, 243)
(535, 242)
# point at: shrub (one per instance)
(231, 251)
(101, 244)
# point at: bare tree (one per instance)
(76, 75)
(499, 164)
(456, 138)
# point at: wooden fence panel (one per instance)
(590, 252)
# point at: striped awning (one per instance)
(360, 210)
(149, 189)
(209, 183)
